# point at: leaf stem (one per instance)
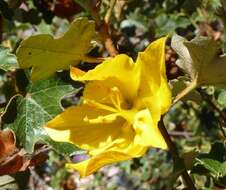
(6, 108)
(184, 92)
(175, 155)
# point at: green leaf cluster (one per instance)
(41, 104)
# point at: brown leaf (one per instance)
(40, 155)
(12, 159)
(7, 143)
(14, 164)
(20, 160)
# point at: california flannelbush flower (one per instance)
(122, 105)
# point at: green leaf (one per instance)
(47, 55)
(214, 161)
(40, 105)
(201, 60)
(216, 168)
(8, 61)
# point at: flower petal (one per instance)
(119, 68)
(147, 132)
(152, 66)
(89, 166)
(154, 91)
(88, 127)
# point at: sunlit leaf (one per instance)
(46, 55)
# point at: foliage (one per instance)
(41, 103)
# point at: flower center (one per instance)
(118, 106)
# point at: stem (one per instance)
(184, 92)
(104, 29)
(7, 106)
(180, 134)
(173, 151)
(109, 12)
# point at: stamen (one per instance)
(115, 97)
(102, 119)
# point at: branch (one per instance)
(104, 29)
(175, 155)
(209, 100)
(185, 91)
(109, 12)
(181, 134)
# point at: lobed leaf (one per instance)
(47, 55)
(201, 60)
(40, 105)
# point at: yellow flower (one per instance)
(122, 104)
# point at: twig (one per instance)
(184, 92)
(109, 12)
(6, 108)
(175, 154)
(104, 29)
(209, 100)
(181, 134)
